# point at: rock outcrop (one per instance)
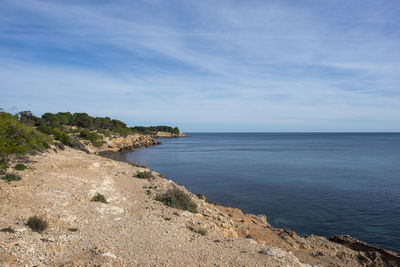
(128, 143)
(373, 255)
(316, 250)
(168, 135)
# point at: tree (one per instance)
(176, 130)
(27, 117)
(65, 118)
(117, 124)
(83, 120)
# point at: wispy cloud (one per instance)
(207, 65)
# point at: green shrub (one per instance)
(201, 196)
(74, 130)
(63, 137)
(144, 175)
(27, 117)
(104, 132)
(17, 138)
(167, 218)
(20, 167)
(78, 145)
(93, 137)
(37, 224)
(176, 198)
(141, 165)
(99, 198)
(124, 132)
(4, 164)
(45, 129)
(67, 140)
(10, 177)
(200, 230)
(2, 172)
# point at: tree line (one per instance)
(85, 121)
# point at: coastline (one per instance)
(168, 135)
(121, 144)
(128, 143)
(311, 184)
(59, 183)
(257, 231)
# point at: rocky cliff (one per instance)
(168, 135)
(128, 143)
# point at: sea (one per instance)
(312, 183)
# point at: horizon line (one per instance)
(302, 132)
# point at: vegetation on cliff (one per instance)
(93, 137)
(18, 138)
(176, 198)
(61, 124)
(79, 120)
(155, 129)
(24, 132)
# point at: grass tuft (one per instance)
(99, 198)
(20, 167)
(201, 196)
(37, 224)
(200, 230)
(144, 175)
(141, 165)
(4, 164)
(10, 177)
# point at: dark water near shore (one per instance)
(312, 183)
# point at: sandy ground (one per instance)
(133, 229)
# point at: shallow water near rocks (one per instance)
(312, 183)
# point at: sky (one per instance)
(206, 66)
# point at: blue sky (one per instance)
(206, 65)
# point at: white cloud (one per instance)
(270, 65)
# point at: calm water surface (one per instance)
(312, 183)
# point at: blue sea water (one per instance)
(312, 183)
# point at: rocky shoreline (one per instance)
(135, 229)
(128, 143)
(168, 135)
(121, 144)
